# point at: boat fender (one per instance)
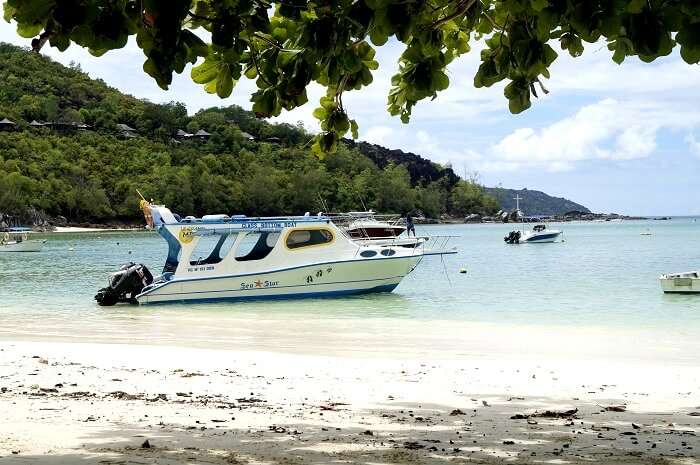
(24, 236)
(6, 237)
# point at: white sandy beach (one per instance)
(66, 403)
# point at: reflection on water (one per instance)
(605, 275)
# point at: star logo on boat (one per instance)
(258, 283)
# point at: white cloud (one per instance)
(379, 135)
(693, 144)
(604, 130)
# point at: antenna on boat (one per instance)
(323, 202)
(362, 202)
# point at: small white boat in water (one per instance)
(218, 257)
(681, 283)
(538, 235)
(17, 240)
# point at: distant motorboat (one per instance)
(645, 233)
(17, 240)
(681, 283)
(538, 235)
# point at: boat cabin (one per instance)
(234, 244)
(539, 228)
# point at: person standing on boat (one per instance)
(409, 225)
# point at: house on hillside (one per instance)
(202, 135)
(125, 130)
(247, 136)
(37, 124)
(63, 126)
(7, 125)
(180, 135)
(273, 140)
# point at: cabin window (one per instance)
(229, 240)
(308, 237)
(368, 253)
(388, 252)
(256, 246)
(211, 249)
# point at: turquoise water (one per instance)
(604, 275)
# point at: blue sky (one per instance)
(614, 138)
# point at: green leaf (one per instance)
(210, 87)
(29, 30)
(320, 113)
(207, 71)
(8, 13)
(354, 129)
(224, 82)
(636, 6)
(689, 39)
(539, 5)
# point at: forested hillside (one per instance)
(86, 167)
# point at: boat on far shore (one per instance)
(16, 239)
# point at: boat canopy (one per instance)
(162, 215)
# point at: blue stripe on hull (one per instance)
(545, 237)
(307, 295)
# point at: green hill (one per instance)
(534, 202)
(85, 167)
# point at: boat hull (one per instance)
(541, 238)
(314, 280)
(23, 246)
(681, 283)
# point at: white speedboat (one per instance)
(681, 283)
(17, 240)
(218, 257)
(538, 235)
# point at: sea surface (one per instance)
(602, 280)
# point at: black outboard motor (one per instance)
(124, 285)
(512, 238)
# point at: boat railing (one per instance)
(347, 218)
(437, 243)
(425, 244)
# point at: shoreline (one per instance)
(78, 229)
(98, 403)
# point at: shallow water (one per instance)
(603, 278)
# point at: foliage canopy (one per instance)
(285, 45)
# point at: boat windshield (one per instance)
(539, 228)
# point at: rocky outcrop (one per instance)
(421, 170)
(32, 218)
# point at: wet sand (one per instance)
(67, 403)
